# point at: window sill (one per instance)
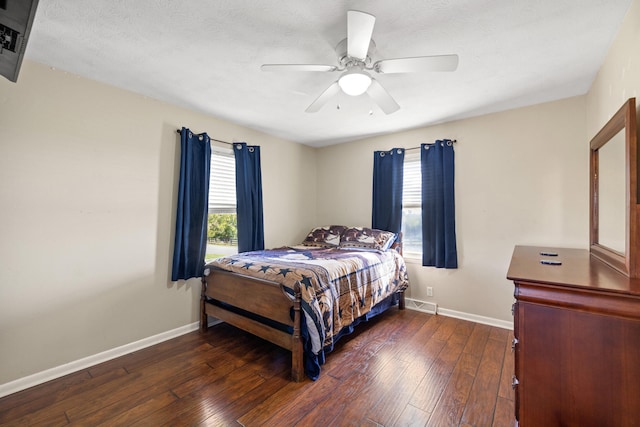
(413, 258)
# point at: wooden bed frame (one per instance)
(263, 298)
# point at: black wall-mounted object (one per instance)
(16, 19)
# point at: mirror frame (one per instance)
(624, 118)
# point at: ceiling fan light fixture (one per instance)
(354, 83)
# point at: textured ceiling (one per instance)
(206, 55)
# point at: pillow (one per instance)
(369, 238)
(327, 236)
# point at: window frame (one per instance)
(411, 199)
(229, 186)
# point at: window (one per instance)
(222, 232)
(412, 206)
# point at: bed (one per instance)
(304, 298)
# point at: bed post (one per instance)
(297, 365)
(399, 245)
(204, 319)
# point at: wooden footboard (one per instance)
(259, 297)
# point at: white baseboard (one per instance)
(476, 318)
(432, 308)
(71, 367)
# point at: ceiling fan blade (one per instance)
(297, 67)
(359, 31)
(324, 97)
(381, 97)
(417, 64)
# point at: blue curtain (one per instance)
(438, 206)
(249, 197)
(388, 171)
(193, 194)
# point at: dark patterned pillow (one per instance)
(325, 237)
(367, 238)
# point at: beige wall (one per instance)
(521, 178)
(616, 82)
(87, 195)
(619, 76)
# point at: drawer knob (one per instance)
(514, 382)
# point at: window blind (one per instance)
(412, 185)
(222, 183)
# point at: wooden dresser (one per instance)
(577, 340)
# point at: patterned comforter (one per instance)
(338, 286)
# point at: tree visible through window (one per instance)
(412, 206)
(222, 231)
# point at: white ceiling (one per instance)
(206, 55)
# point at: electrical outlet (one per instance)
(429, 291)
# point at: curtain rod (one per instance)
(231, 143)
(212, 139)
(417, 148)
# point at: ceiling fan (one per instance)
(355, 66)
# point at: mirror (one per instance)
(613, 191)
(612, 194)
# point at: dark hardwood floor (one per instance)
(405, 368)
